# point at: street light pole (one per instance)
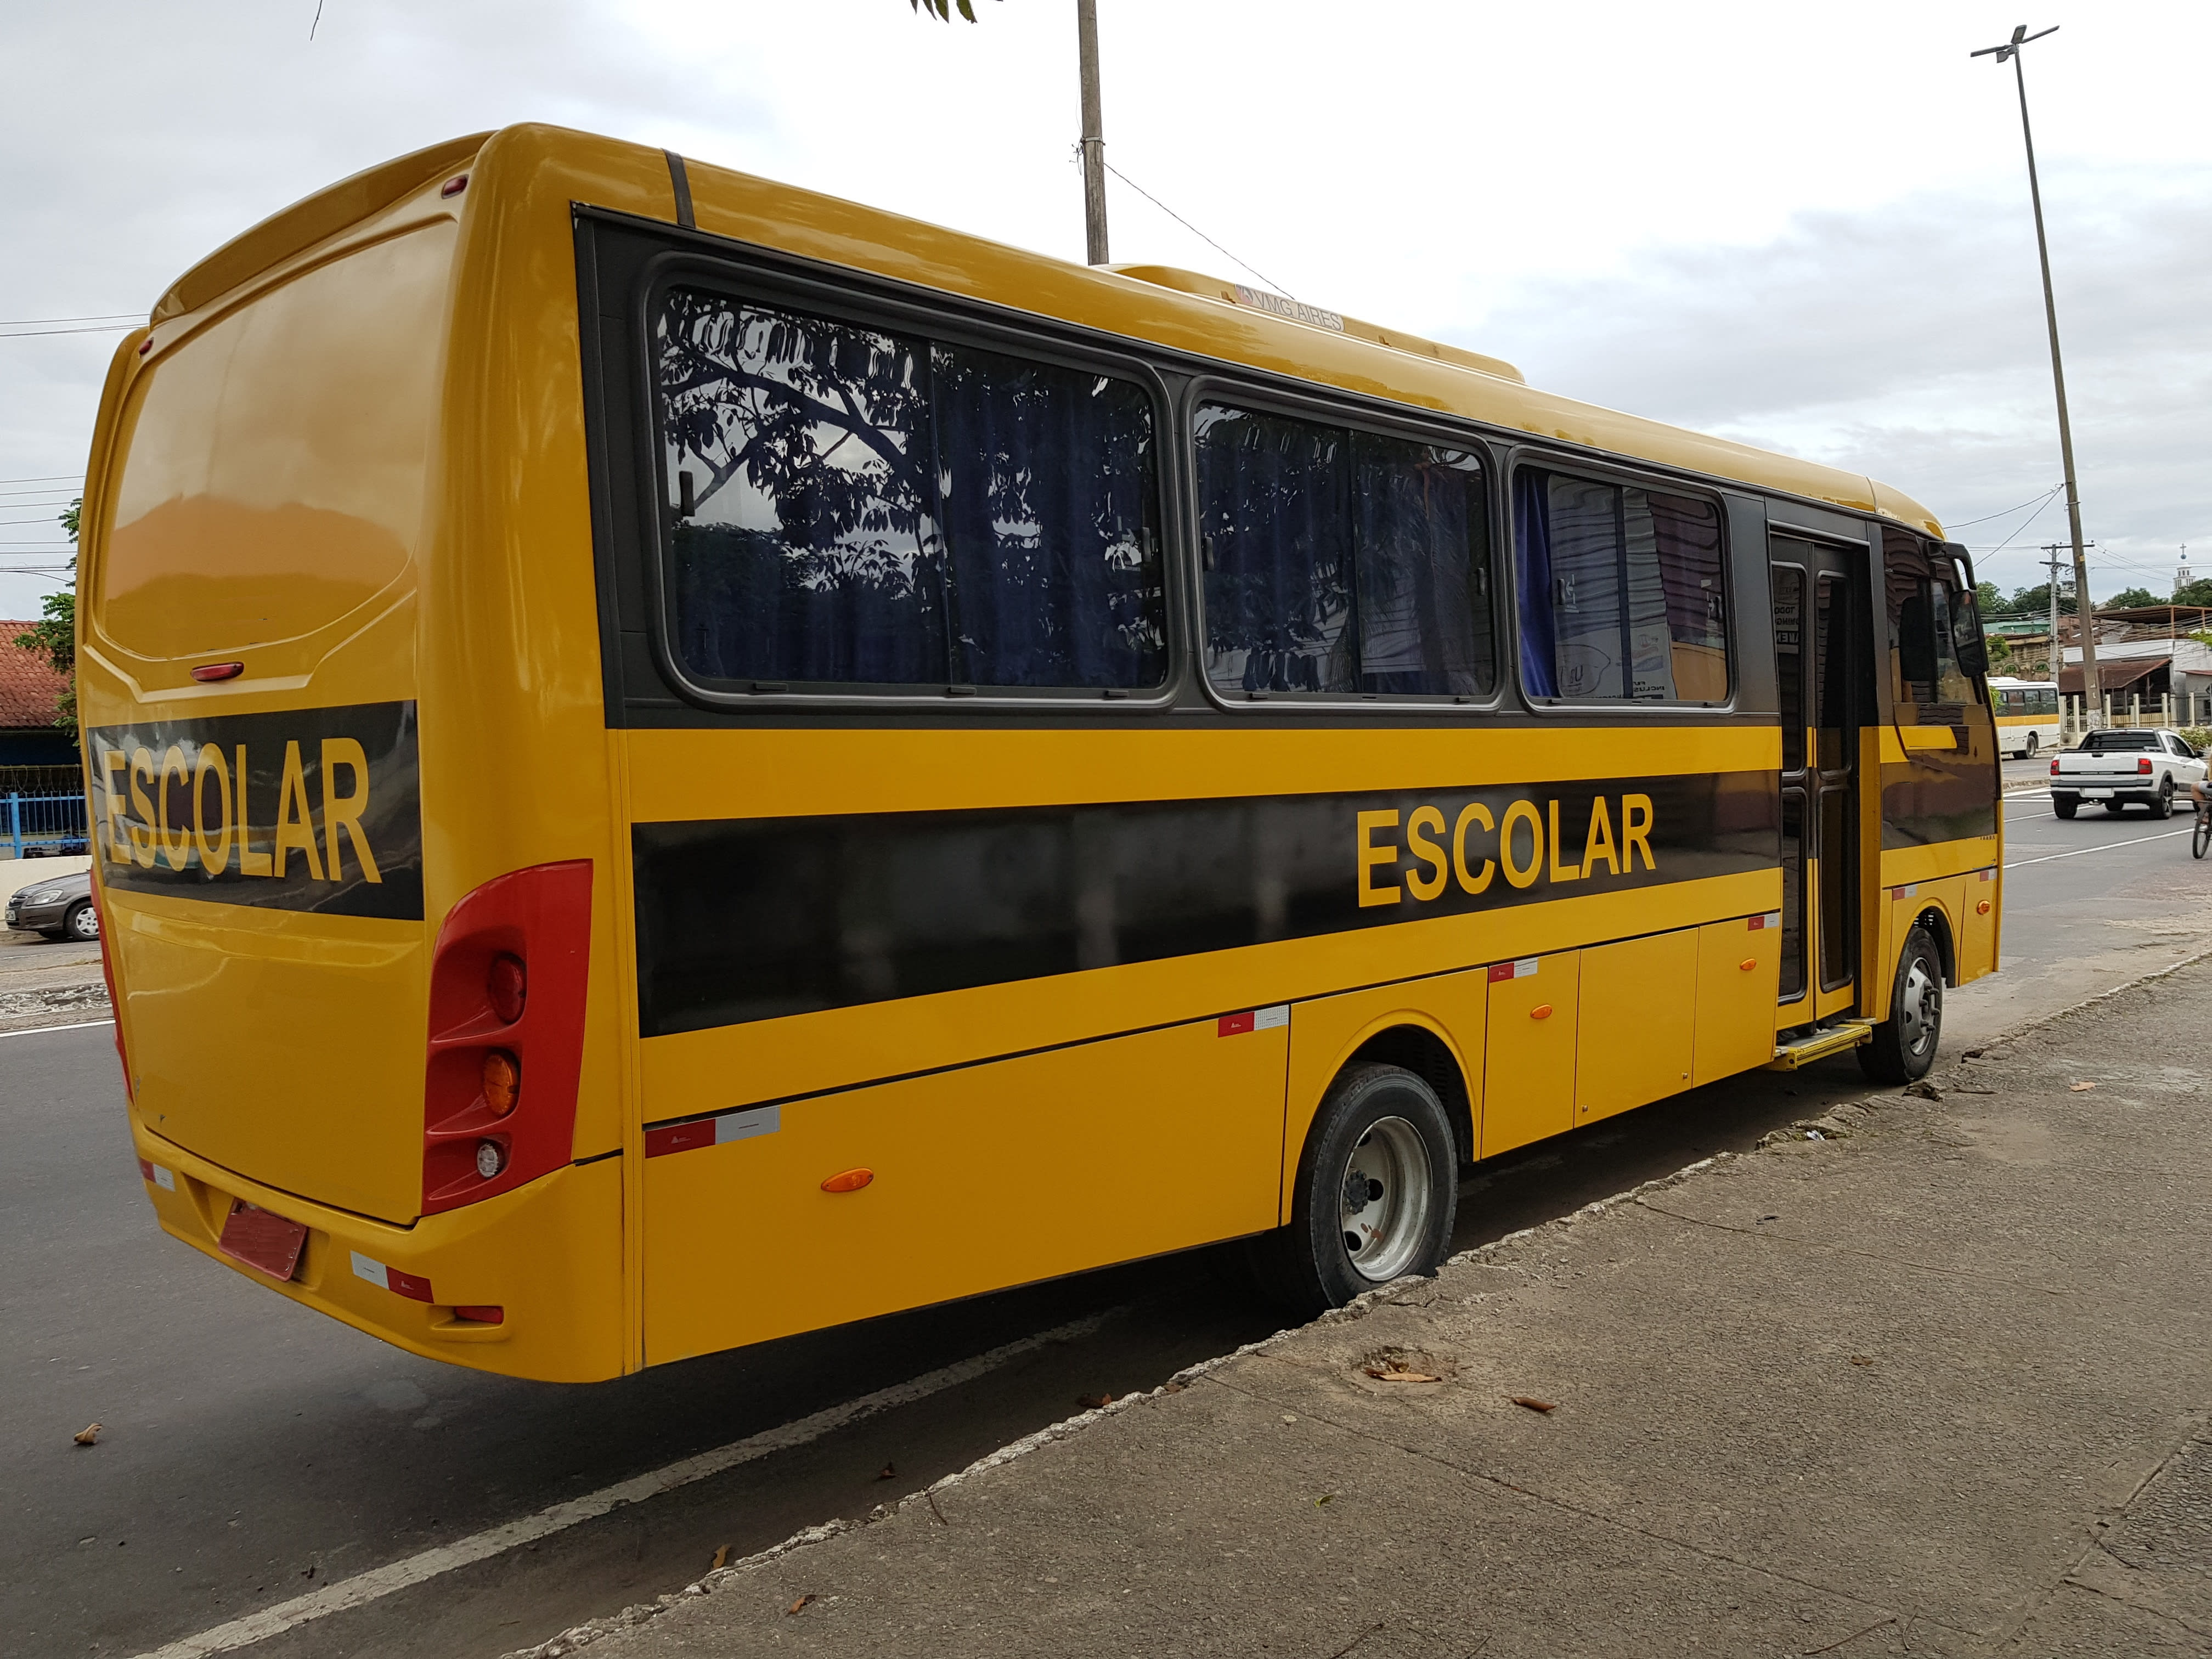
(2092, 703)
(1094, 136)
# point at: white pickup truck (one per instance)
(2146, 767)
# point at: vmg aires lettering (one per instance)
(308, 808)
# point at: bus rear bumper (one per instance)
(547, 1255)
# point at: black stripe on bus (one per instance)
(750, 918)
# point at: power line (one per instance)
(1194, 229)
(55, 333)
(41, 322)
(1967, 524)
(44, 478)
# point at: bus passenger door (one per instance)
(1821, 675)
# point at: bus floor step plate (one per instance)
(1829, 1040)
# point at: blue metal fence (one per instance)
(38, 826)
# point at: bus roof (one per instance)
(1182, 310)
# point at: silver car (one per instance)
(60, 908)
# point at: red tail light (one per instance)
(507, 1034)
(2054, 767)
(115, 1007)
(2143, 765)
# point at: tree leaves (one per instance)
(942, 9)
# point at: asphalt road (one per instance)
(254, 1451)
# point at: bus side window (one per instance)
(1341, 561)
(1621, 592)
(846, 506)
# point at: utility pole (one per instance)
(2057, 656)
(1094, 136)
(2092, 703)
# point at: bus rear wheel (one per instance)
(2028, 753)
(1376, 1196)
(1903, 1046)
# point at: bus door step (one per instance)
(1819, 1044)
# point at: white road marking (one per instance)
(2133, 840)
(380, 1582)
(33, 1031)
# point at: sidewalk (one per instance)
(1935, 1382)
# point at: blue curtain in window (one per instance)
(1046, 481)
(1532, 576)
(1273, 511)
(867, 508)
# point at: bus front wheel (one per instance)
(1377, 1192)
(1903, 1046)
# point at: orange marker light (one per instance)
(1982, 908)
(1541, 1011)
(848, 1181)
(502, 1081)
(1749, 963)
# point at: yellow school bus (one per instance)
(676, 761)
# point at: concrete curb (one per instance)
(1838, 1122)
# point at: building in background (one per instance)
(36, 755)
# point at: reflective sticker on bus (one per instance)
(1524, 968)
(712, 1131)
(1252, 1019)
(391, 1278)
(307, 808)
(165, 1179)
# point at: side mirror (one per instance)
(1973, 650)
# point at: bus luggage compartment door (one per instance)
(1528, 1055)
(1739, 967)
(1639, 1010)
(841, 1206)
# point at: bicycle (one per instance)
(2202, 838)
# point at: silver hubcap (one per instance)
(87, 925)
(1385, 1196)
(1922, 1010)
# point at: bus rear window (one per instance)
(273, 463)
(851, 507)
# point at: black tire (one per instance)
(2198, 841)
(2065, 805)
(2033, 744)
(2161, 804)
(1372, 1114)
(81, 923)
(1904, 1045)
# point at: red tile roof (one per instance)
(29, 688)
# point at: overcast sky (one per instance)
(1806, 226)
